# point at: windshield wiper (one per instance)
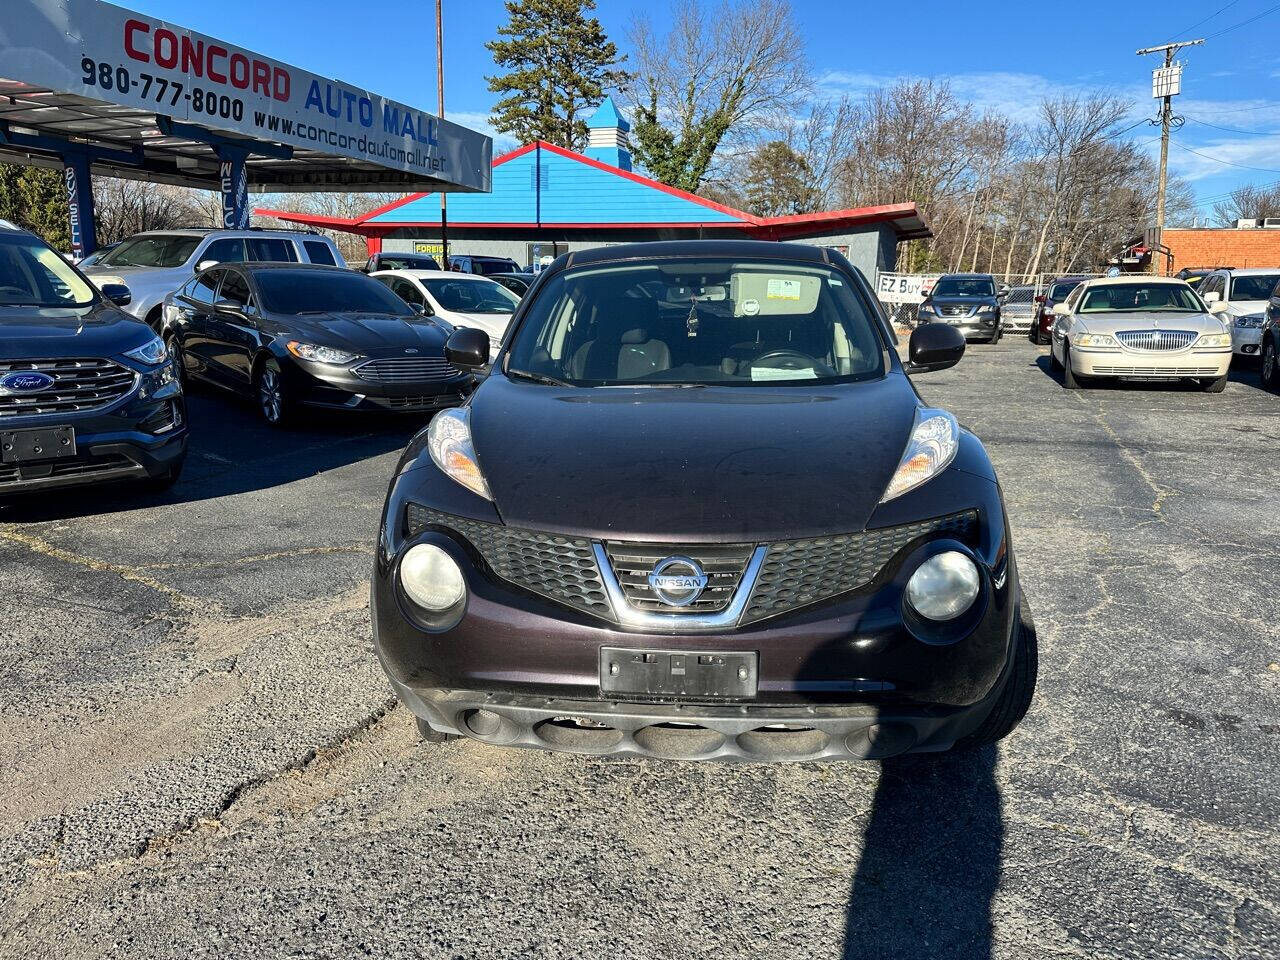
(538, 378)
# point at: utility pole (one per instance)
(444, 205)
(1166, 83)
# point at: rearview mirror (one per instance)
(229, 307)
(1061, 310)
(1212, 297)
(1217, 306)
(422, 309)
(117, 293)
(467, 347)
(206, 264)
(934, 346)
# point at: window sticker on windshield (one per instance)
(780, 289)
(778, 373)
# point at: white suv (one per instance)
(154, 264)
(1246, 293)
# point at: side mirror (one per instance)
(1061, 310)
(206, 264)
(1213, 297)
(1040, 298)
(229, 308)
(934, 346)
(1003, 291)
(1217, 306)
(467, 347)
(422, 309)
(117, 293)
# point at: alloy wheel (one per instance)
(270, 395)
(1269, 365)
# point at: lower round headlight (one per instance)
(944, 586)
(431, 578)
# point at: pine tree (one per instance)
(779, 181)
(559, 65)
(35, 199)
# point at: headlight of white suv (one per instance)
(449, 443)
(1095, 340)
(153, 352)
(1250, 321)
(320, 354)
(1214, 340)
(935, 438)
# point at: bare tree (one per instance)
(1250, 202)
(704, 81)
(126, 207)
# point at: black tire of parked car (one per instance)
(427, 734)
(1216, 385)
(272, 396)
(1271, 366)
(164, 481)
(1069, 378)
(1019, 690)
(1034, 333)
(175, 351)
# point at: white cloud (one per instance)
(479, 122)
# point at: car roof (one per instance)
(745, 249)
(257, 266)
(1133, 278)
(1250, 271)
(428, 274)
(976, 276)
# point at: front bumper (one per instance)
(1246, 341)
(1151, 364)
(977, 327)
(845, 677)
(144, 435)
(318, 385)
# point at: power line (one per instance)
(1205, 20)
(1230, 163)
(1250, 133)
(1243, 23)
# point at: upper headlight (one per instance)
(1214, 340)
(986, 308)
(1251, 320)
(449, 443)
(153, 352)
(926, 308)
(319, 354)
(1095, 340)
(935, 438)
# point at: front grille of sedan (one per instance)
(1157, 339)
(401, 370)
(794, 574)
(79, 385)
(723, 565)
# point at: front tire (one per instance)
(1216, 385)
(1019, 688)
(428, 733)
(162, 482)
(1271, 367)
(1069, 378)
(275, 404)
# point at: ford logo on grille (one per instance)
(678, 581)
(26, 381)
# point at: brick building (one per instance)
(1192, 247)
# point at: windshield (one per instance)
(471, 296)
(694, 322)
(324, 291)
(155, 250)
(33, 275)
(407, 261)
(1144, 297)
(965, 287)
(1254, 286)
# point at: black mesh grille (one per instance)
(800, 572)
(723, 565)
(559, 568)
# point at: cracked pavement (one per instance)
(199, 755)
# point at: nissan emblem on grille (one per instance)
(678, 581)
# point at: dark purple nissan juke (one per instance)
(698, 511)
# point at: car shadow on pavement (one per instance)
(930, 860)
(232, 451)
(1247, 373)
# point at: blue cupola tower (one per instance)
(607, 142)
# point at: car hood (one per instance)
(366, 332)
(1138, 320)
(1240, 308)
(101, 330)
(674, 464)
(963, 301)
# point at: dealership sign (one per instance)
(904, 287)
(112, 55)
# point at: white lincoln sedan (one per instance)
(1141, 328)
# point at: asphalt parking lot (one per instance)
(199, 755)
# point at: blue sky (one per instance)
(998, 53)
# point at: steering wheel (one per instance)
(793, 360)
